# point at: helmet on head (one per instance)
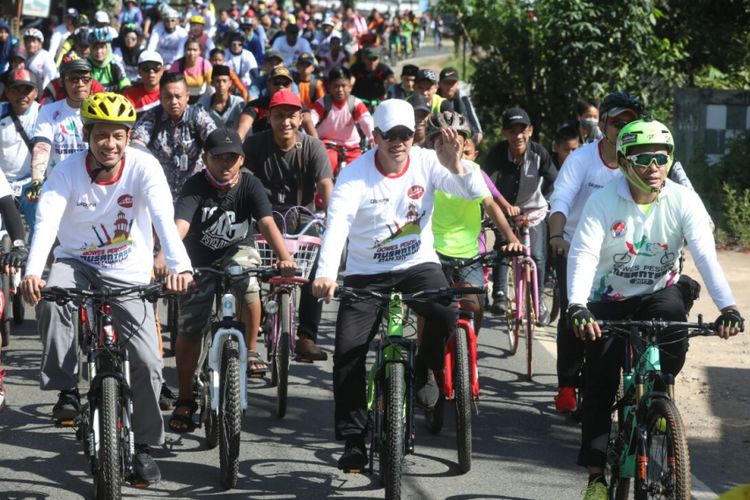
(640, 133)
(100, 35)
(108, 107)
(81, 36)
(74, 62)
(447, 119)
(617, 101)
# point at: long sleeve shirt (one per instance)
(621, 250)
(107, 225)
(387, 218)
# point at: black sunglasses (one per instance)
(147, 68)
(401, 134)
(281, 82)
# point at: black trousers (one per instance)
(569, 347)
(358, 322)
(604, 359)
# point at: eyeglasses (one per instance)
(79, 79)
(147, 68)
(644, 160)
(401, 134)
(281, 82)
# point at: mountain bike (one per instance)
(459, 380)
(220, 388)
(11, 308)
(523, 308)
(390, 385)
(279, 304)
(104, 425)
(648, 442)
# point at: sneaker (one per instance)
(166, 398)
(3, 373)
(306, 348)
(354, 456)
(145, 470)
(68, 405)
(499, 305)
(428, 391)
(565, 401)
(595, 491)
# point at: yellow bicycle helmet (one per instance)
(108, 107)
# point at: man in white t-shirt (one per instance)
(59, 130)
(168, 38)
(38, 61)
(382, 203)
(101, 204)
(291, 45)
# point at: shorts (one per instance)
(196, 308)
(473, 274)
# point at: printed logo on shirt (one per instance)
(376, 201)
(125, 201)
(224, 232)
(110, 249)
(404, 239)
(618, 229)
(415, 192)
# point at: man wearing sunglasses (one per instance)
(145, 95)
(624, 263)
(382, 203)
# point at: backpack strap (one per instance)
(19, 128)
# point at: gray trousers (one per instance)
(133, 319)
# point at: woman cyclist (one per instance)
(635, 227)
(104, 67)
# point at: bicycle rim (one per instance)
(462, 388)
(281, 356)
(230, 414)
(530, 322)
(667, 468)
(108, 479)
(392, 460)
(515, 318)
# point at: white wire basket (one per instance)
(303, 250)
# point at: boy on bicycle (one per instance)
(624, 263)
(214, 214)
(337, 115)
(101, 204)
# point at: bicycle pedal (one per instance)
(353, 470)
(257, 375)
(67, 422)
(300, 359)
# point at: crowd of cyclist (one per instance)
(239, 114)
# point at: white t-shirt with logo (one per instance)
(387, 218)
(291, 53)
(15, 156)
(60, 126)
(108, 225)
(42, 64)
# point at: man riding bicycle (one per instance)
(383, 203)
(214, 215)
(624, 263)
(101, 204)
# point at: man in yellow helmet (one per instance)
(107, 198)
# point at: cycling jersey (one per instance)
(619, 252)
(110, 73)
(61, 127)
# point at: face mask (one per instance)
(591, 128)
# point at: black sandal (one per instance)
(182, 424)
(256, 367)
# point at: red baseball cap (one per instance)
(285, 97)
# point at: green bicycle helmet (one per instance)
(638, 133)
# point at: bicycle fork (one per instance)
(223, 330)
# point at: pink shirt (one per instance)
(339, 126)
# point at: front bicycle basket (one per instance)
(303, 249)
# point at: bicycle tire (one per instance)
(281, 356)
(392, 459)
(173, 311)
(19, 310)
(434, 418)
(230, 414)
(7, 312)
(108, 479)
(210, 417)
(462, 398)
(514, 325)
(551, 297)
(663, 420)
(619, 487)
(530, 322)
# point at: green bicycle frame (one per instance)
(392, 351)
(648, 362)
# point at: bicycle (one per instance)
(459, 380)
(342, 153)
(104, 424)
(649, 443)
(390, 384)
(523, 309)
(220, 387)
(279, 305)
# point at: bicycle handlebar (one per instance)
(236, 272)
(621, 327)
(61, 295)
(437, 294)
(487, 259)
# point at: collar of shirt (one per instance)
(520, 162)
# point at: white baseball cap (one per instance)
(150, 56)
(101, 17)
(393, 113)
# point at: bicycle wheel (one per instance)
(108, 479)
(434, 418)
(19, 311)
(462, 388)
(7, 311)
(281, 356)
(619, 487)
(172, 314)
(230, 414)
(209, 416)
(551, 296)
(667, 469)
(530, 320)
(392, 454)
(514, 323)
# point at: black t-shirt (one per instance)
(289, 177)
(219, 220)
(370, 85)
